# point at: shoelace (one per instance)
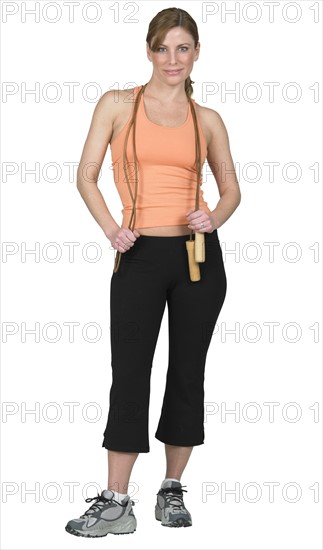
(175, 494)
(100, 501)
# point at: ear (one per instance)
(197, 51)
(148, 51)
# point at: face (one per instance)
(174, 59)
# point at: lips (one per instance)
(173, 72)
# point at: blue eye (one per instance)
(185, 48)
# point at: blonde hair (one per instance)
(158, 28)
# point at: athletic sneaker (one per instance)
(170, 508)
(105, 516)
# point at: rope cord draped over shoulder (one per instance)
(133, 197)
(132, 221)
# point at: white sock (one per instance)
(168, 479)
(119, 496)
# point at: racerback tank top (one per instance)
(166, 173)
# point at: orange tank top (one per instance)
(166, 173)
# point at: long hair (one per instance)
(158, 28)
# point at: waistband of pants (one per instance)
(155, 239)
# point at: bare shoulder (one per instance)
(119, 96)
(113, 103)
(211, 122)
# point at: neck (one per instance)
(164, 92)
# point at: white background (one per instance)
(46, 135)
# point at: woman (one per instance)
(159, 140)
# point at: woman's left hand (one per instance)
(198, 217)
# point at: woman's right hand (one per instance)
(123, 239)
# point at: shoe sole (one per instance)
(89, 535)
(178, 523)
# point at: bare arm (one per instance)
(93, 154)
(220, 161)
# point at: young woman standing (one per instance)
(159, 139)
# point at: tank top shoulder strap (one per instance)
(132, 97)
(136, 91)
(199, 124)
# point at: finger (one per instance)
(196, 225)
(196, 216)
(127, 238)
(121, 245)
(197, 222)
(126, 235)
(131, 236)
(190, 214)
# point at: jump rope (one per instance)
(195, 247)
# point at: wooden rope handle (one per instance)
(193, 266)
(199, 247)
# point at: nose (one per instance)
(172, 57)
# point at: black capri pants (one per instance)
(153, 272)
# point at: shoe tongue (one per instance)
(172, 484)
(107, 493)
